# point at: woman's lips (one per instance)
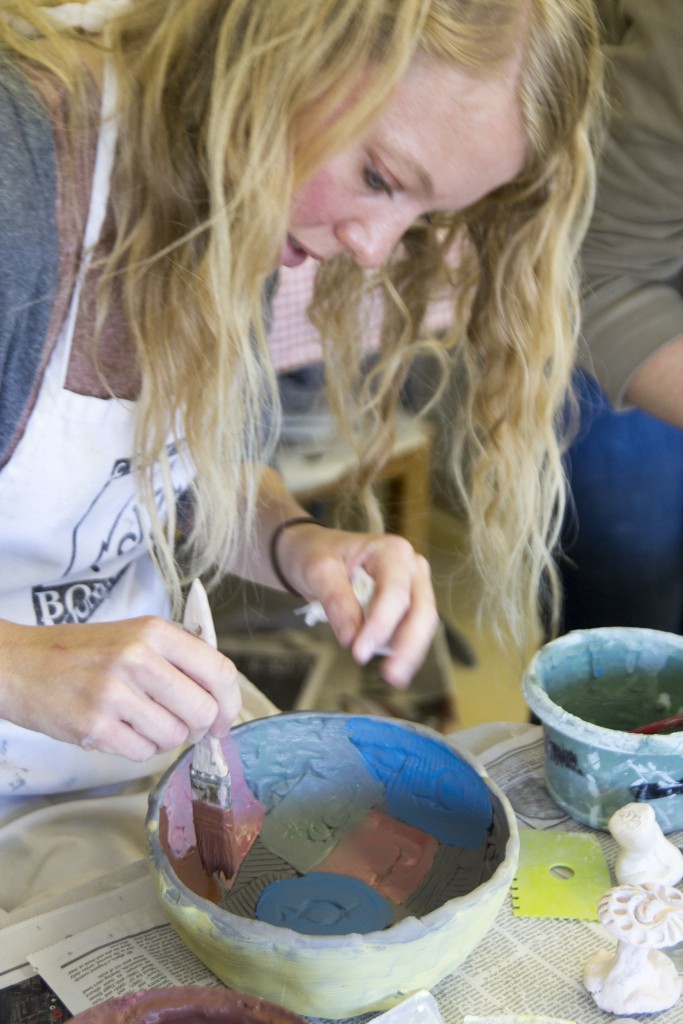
(293, 254)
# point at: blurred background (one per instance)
(468, 678)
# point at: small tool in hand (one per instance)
(212, 814)
(364, 589)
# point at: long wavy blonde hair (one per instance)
(509, 267)
(224, 109)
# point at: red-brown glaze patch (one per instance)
(214, 828)
(387, 854)
(188, 868)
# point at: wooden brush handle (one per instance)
(208, 757)
(198, 620)
(675, 722)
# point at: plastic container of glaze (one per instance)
(373, 859)
(590, 689)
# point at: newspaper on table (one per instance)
(526, 969)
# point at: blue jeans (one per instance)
(623, 540)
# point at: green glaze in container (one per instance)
(590, 688)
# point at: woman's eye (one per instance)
(374, 180)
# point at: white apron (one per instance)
(72, 544)
(72, 550)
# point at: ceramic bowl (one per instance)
(589, 689)
(189, 1004)
(373, 859)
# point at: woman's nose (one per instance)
(369, 242)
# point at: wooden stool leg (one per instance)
(410, 481)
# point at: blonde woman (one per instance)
(160, 160)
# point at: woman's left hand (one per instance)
(402, 615)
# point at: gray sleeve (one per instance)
(28, 244)
(633, 253)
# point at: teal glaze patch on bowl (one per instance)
(590, 689)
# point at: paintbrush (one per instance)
(675, 724)
(214, 824)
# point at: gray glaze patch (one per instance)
(259, 861)
(313, 783)
(243, 901)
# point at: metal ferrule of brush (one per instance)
(211, 789)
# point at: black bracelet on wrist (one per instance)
(274, 560)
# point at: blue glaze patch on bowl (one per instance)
(589, 689)
(424, 785)
(324, 904)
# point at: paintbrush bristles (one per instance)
(214, 825)
(215, 831)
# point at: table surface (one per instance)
(524, 965)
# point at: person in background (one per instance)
(160, 160)
(623, 542)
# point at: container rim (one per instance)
(554, 716)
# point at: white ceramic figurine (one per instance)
(638, 977)
(646, 855)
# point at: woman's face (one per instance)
(445, 140)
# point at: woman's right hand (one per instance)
(135, 687)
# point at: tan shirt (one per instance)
(633, 254)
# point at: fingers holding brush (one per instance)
(134, 687)
(215, 700)
(183, 690)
